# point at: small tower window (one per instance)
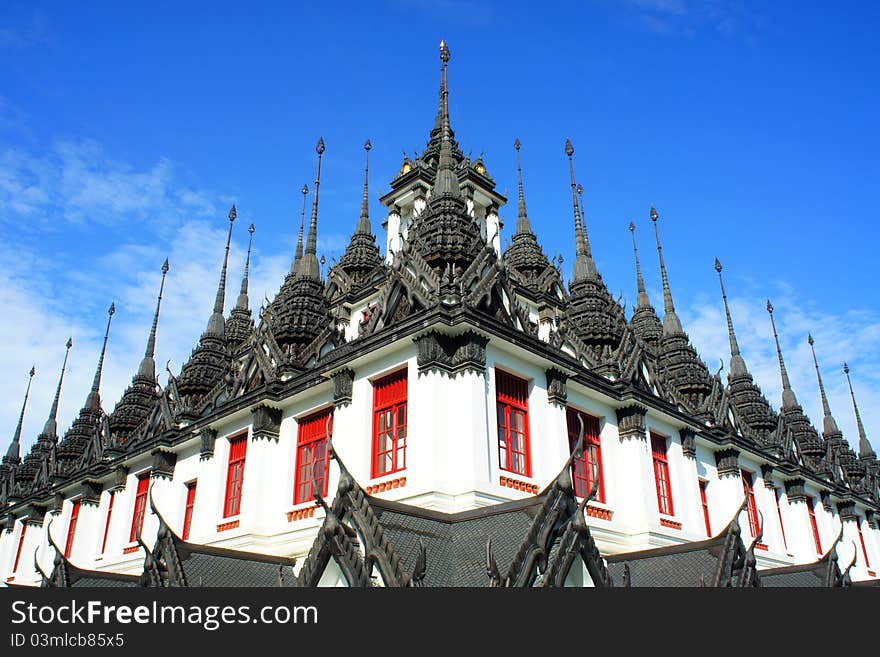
(71, 529)
(513, 423)
(389, 424)
(751, 507)
(704, 501)
(811, 509)
(140, 505)
(661, 474)
(588, 467)
(235, 475)
(311, 455)
(188, 509)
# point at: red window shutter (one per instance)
(705, 503)
(389, 424)
(71, 529)
(811, 510)
(586, 468)
(107, 522)
(751, 507)
(235, 475)
(862, 541)
(661, 475)
(781, 524)
(513, 423)
(188, 509)
(140, 505)
(20, 545)
(311, 455)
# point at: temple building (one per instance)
(443, 414)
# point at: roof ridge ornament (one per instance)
(865, 449)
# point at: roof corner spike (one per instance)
(12, 453)
(522, 220)
(93, 401)
(671, 323)
(363, 226)
(643, 301)
(789, 401)
(865, 449)
(308, 267)
(737, 364)
(302, 222)
(584, 267)
(829, 425)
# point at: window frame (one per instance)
(748, 484)
(505, 403)
(393, 403)
(76, 505)
(139, 509)
(660, 460)
(591, 460)
(112, 495)
(704, 503)
(862, 541)
(235, 464)
(777, 495)
(188, 508)
(811, 512)
(21, 538)
(302, 490)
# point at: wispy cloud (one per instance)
(32, 30)
(688, 18)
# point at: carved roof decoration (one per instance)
(67, 575)
(240, 324)
(824, 572)
(140, 396)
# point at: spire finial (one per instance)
(51, 426)
(671, 323)
(443, 111)
(865, 450)
(584, 267)
(242, 301)
(308, 266)
(13, 453)
(94, 399)
(147, 368)
(302, 222)
(364, 222)
(829, 425)
(789, 400)
(643, 301)
(216, 324)
(522, 220)
(737, 364)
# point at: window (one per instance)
(235, 475)
(586, 468)
(513, 423)
(188, 509)
(71, 529)
(751, 507)
(140, 505)
(20, 545)
(811, 510)
(661, 475)
(389, 424)
(311, 455)
(705, 503)
(862, 541)
(781, 525)
(107, 522)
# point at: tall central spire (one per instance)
(363, 225)
(50, 429)
(737, 364)
(789, 401)
(865, 449)
(299, 242)
(93, 401)
(522, 218)
(671, 322)
(308, 266)
(147, 368)
(216, 324)
(643, 301)
(442, 123)
(12, 454)
(242, 301)
(584, 267)
(829, 426)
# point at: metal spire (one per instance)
(299, 242)
(148, 364)
(443, 110)
(93, 401)
(789, 401)
(671, 322)
(643, 301)
(584, 267)
(522, 220)
(308, 266)
(865, 450)
(242, 301)
(829, 426)
(737, 364)
(363, 225)
(51, 426)
(12, 453)
(216, 324)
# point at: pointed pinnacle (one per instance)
(93, 401)
(522, 221)
(216, 324)
(242, 301)
(789, 401)
(51, 426)
(147, 367)
(671, 322)
(829, 425)
(584, 267)
(642, 301)
(14, 448)
(363, 225)
(308, 266)
(865, 449)
(297, 256)
(737, 364)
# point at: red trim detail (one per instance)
(781, 524)
(20, 545)
(661, 474)
(705, 503)
(107, 522)
(813, 524)
(400, 482)
(672, 524)
(514, 454)
(596, 512)
(751, 506)
(235, 475)
(585, 469)
(223, 526)
(862, 541)
(519, 485)
(311, 455)
(188, 508)
(131, 549)
(389, 424)
(761, 546)
(301, 514)
(71, 528)
(140, 505)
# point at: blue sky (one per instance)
(126, 133)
